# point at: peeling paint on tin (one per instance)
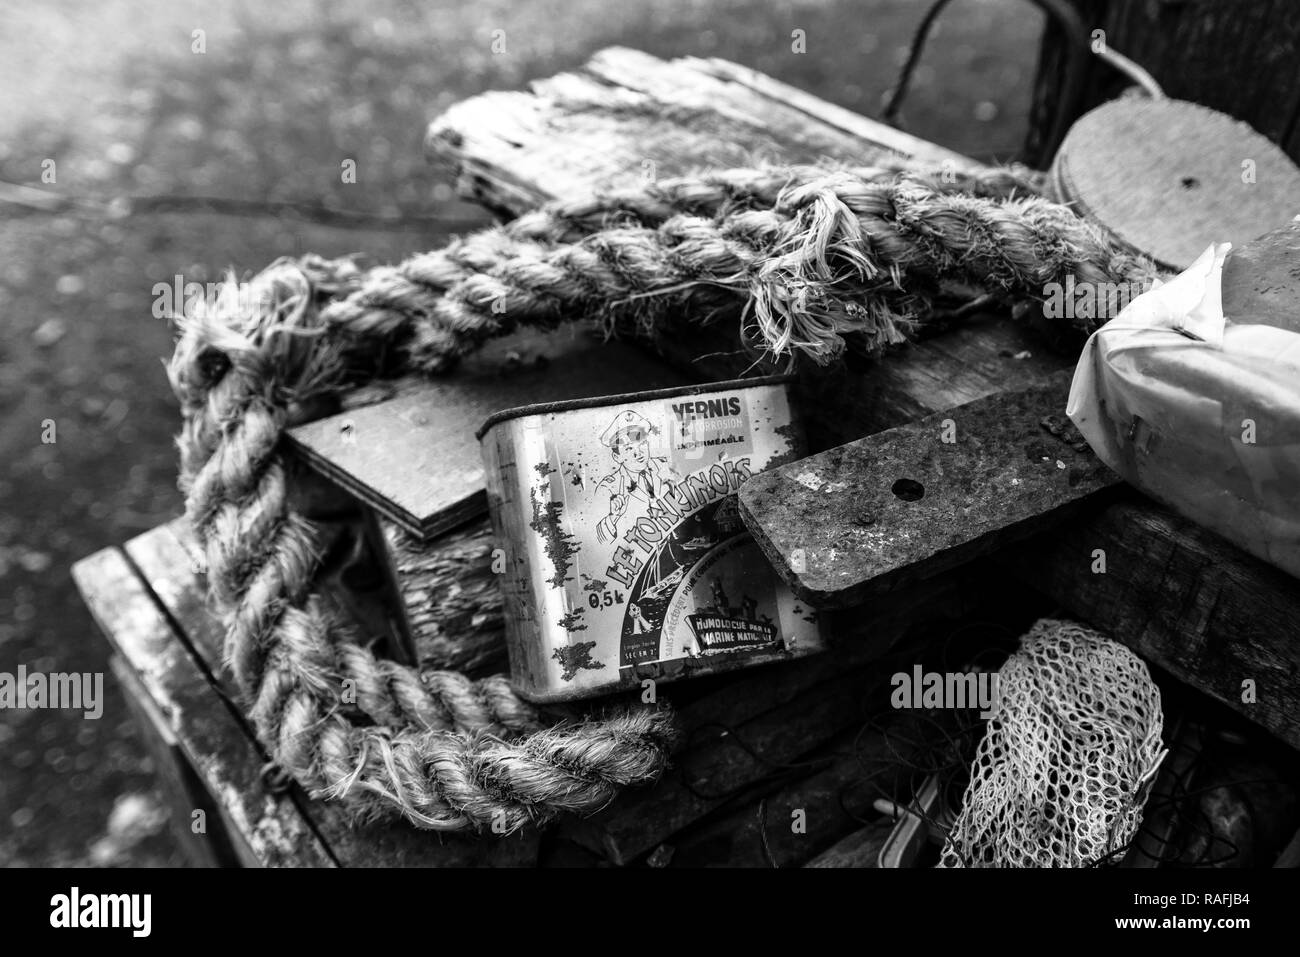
(794, 449)
(573, 621)
(560, 545)
(576, 657)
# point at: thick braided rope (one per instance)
(818, 255)
(826, 257)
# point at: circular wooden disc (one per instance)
(1169, 177)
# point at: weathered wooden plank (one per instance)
(790, 825)
(213, 740)
(414, 457)
(177, 584)
(627, 115)
(984, 355)
(715, 767)
(210, 846)
(871, 516)
(159, 555)
(853, 124)
(1181, 597)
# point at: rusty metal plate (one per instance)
(875, 515)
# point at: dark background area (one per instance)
(114, 94)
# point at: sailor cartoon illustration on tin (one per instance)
(637, 474)
(639, 625)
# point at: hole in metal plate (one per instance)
(909, 490)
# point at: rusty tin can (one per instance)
(625, 557)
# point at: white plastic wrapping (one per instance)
(1198, 411)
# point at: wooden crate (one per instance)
(1188, 611)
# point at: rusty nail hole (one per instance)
(909, 490)
(1190, 182)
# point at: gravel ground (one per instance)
(117, 97)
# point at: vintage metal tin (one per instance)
(624, 554)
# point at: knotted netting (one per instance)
(1068, 756)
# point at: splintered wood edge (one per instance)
(855, 124)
